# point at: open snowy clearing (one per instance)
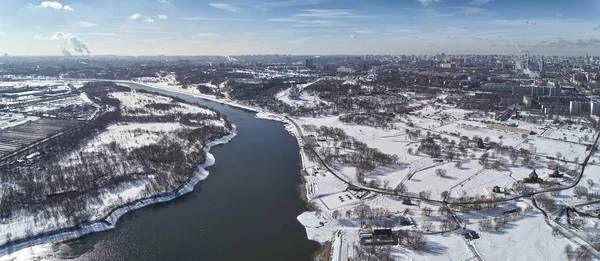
(136, 100)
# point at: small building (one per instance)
(405, 221)
(497, 189)
(470, 235)
(383, 236)
(377, 237)
(533, 178)
(556, 174)
(406, 201)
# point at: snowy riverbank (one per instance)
(18, 250)
(312, 232)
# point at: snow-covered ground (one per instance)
(119, 199)
(470, 179)
(36, 248)
(139, 101)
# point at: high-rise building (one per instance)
(308, 63)
(595, 108)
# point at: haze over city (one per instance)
(187, 27)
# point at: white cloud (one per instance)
(352, 36)
(329, 13)
(39, 37)
(402, 31)
(225, 6)
(286, 3)
(1, 33)
(427, 2)
(163, 17)
(205, 35)
(163, 1)
(60, 35)
(364, 32)
(320, 18)
(480, 2)
(54, 5)
(81, 24)
(454, 30)
(215, 19)
(149, 20)
(308, 23)
(135, 16)
(560, 15)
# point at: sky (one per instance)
(214, 27)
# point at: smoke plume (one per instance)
(78, 45)
(66, 53)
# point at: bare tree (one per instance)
(580, 191)
(590, 183)
(569, 252)
(444, 194)
(400, 189)
(335, 214)
(427, 225)
(440, 173)
(485, 225)
(426, 194)
(426, 211)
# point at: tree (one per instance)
(401, 188)
(558, 155)
(450, 155)
(348, 213)
(483, 159)
(427, 225)
(372, 252)
(386, 184)
(335, 214)
(426, 211)
(590, 183)
(569, 252)
(485, 225)
(440, 173)
(416, 241)
(447, 224)
(363, 211)
(458, 165)
(410, 151)
(583, 254)
(426, 194)
(580, 191)
(444, 194)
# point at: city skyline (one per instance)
(184, 27)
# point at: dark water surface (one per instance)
(245, 210)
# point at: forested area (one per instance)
(68, 184)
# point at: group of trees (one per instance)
(65, 180)
(348, 150)
(581, 253)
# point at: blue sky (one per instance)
(195, 27)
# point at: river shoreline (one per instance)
(110, 220)
(323, 253)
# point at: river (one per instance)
(245, 210)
